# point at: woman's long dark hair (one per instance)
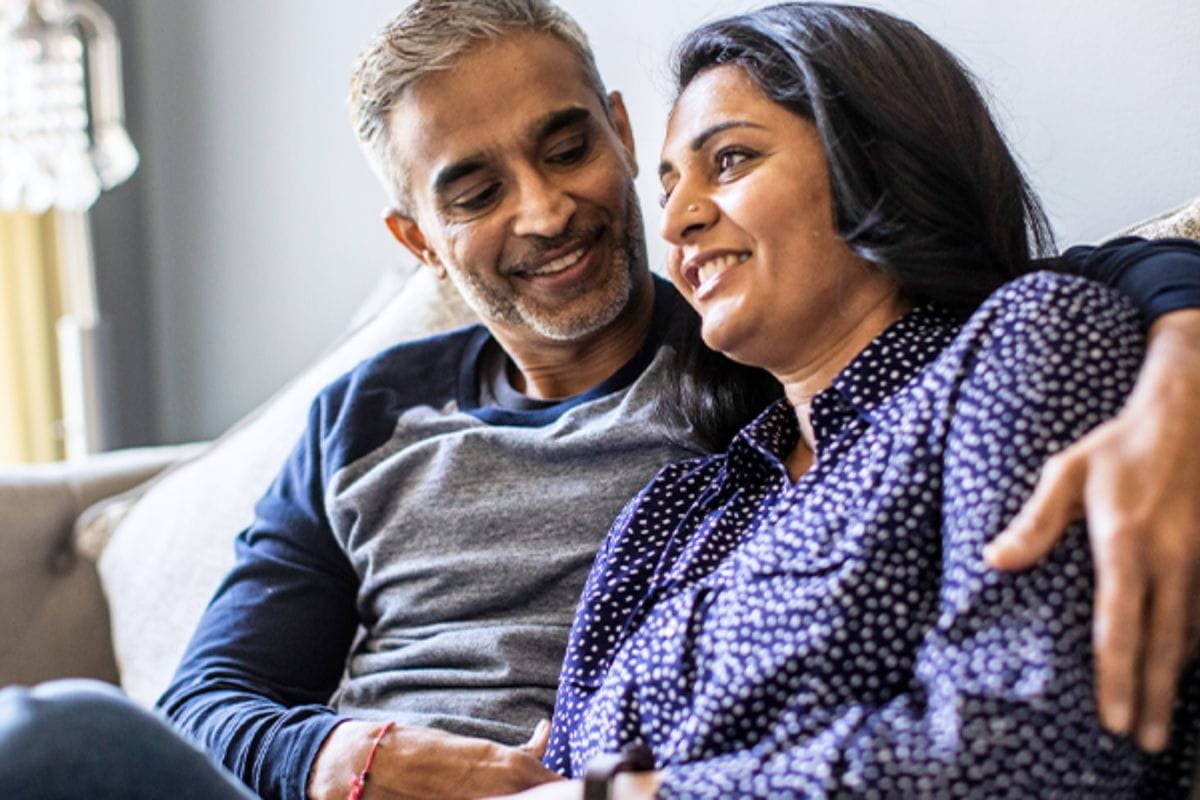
(924, 185)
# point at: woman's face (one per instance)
(750, 220)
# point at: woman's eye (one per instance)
(476, 200)
(668, 186)
(731, 157)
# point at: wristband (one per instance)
(358, 784)
(600, 771)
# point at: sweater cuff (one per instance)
(292, 745)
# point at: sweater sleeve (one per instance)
(1000, 698)
(255, 681)
(1158, 275)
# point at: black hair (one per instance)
(714, 394)
(924, 186)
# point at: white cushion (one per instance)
(169, 551)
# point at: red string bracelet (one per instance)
(358, 784)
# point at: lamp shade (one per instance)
(62, 128)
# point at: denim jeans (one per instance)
(84, 739)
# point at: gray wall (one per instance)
(252, 229)
(260, 224)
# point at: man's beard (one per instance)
(604, 303)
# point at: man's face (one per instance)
(521, 187)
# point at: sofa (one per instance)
(106, 564)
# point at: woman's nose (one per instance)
(684, 215)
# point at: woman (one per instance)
(810, 613)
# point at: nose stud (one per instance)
(693, 208)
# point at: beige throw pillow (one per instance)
(1183, 221)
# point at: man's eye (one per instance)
(478, 199)
(571, 152)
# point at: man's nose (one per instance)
(545, 207)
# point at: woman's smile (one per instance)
(702, 270)
(749, 214)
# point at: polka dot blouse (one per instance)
(840, 634)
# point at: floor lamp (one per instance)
(63, 141)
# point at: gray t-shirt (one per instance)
(421, 554)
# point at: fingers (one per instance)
(536, 746)
(1056, 502)
(523, 767)
(1117, 625)
(1194, 638)
(1164, 654)
(488, 770)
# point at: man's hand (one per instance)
(420, 763)
(626, 786)
(1138, 479)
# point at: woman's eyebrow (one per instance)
(701, 138)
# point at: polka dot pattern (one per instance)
(841, 635)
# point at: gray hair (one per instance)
(429, 36)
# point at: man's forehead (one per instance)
(497, 95)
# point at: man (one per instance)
(473, 475)
(420, 555)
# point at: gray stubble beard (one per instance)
(631, 260)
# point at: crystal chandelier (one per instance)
(62, 128)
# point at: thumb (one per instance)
(1056, 502)
(536, 746)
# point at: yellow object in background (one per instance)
(30, 306)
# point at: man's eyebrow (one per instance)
(701, 138)
(447, 176)
(545, 126)
(555, 121)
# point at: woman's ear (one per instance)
(408, 233)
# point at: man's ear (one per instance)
(620, 118)
(408, 233)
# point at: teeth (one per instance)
(716, 266)
(559, 264)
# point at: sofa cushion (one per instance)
(171, 547)
(1183, 222)
(52, 618)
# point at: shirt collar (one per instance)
(893, 358)
(883, 368)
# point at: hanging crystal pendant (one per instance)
(62, 129)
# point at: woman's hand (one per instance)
(1137, 477)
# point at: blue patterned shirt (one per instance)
(841, 634)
